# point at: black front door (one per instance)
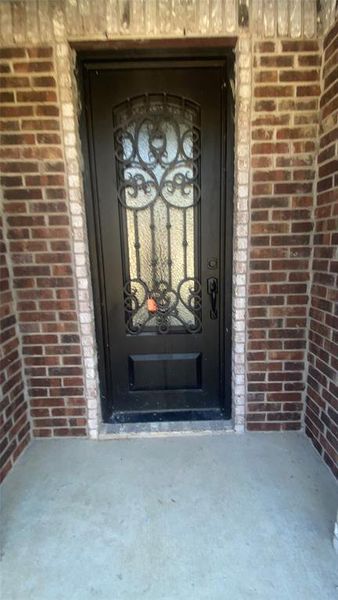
(161, 282)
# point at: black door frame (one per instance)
(156, 50)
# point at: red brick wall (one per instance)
(284, 132)
(14, 419)
(286, 79)
(37, 220)
(321, 416)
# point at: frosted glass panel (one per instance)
(157, 151)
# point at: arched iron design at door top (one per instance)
(157, 155)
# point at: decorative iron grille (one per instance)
(157, 152)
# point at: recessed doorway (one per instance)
(158, 148)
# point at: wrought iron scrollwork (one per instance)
(157, 152)
(167, 299)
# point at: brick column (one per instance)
(283, 148)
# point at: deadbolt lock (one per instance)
(212, 263)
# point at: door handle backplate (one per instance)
(212, 287)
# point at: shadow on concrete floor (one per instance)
(212, 517)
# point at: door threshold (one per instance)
(110, 431)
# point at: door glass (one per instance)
(157, 153)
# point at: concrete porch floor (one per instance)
(210, 517)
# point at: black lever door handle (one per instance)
(212, 287)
